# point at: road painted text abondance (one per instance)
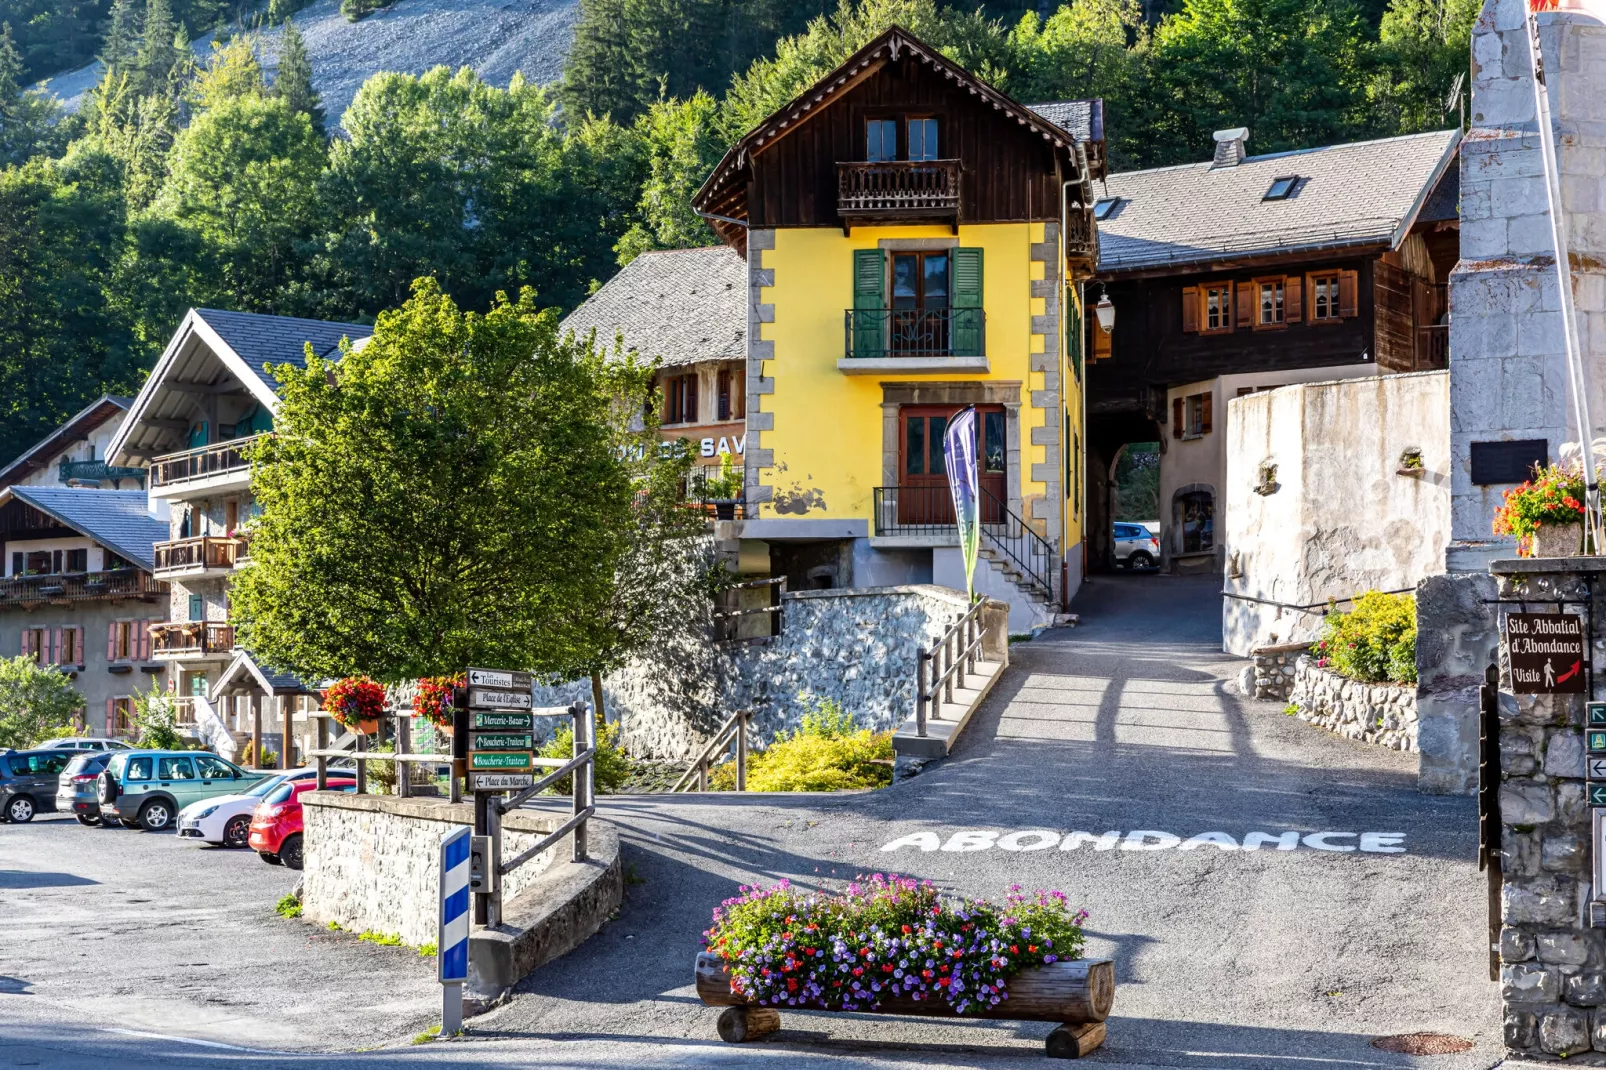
(965, 840)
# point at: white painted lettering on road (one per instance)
(965, 841)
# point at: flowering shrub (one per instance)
(354, 699)
(828, 752)
(1373, 642)
(1554, 496)
(890, 937)
(434, 699)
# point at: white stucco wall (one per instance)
(1203, 459)
(1342, 519)
(91, 447)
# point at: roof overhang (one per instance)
(192, 332)
(1246, 260)
(245, 676)
(1408, 220)
(725, 187)
(128, 553)
(74, 429)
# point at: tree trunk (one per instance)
(1074, 992)
(598, 710)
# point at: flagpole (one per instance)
(1558, 232)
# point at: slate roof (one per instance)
(269, 680)
(683, 305)
(1363, 193)
(263, 340)
(1082, 119)
(114, 518)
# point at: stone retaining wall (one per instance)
(1384, 714)
(1271, 670)
(855, 645)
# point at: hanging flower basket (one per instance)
(356, 702)
(1546, 514)
(433, 702)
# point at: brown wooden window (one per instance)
(122, 641)
(1217, 307)
(119, 714)
(1324, 298)
(1269, 302)
(36, 644)
(680, 400)
(1191, 416)
(731, 400)
(78, 560)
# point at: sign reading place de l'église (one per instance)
(1547, 653)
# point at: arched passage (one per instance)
(1108, 435)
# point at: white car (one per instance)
(225, 820)
(85, 743)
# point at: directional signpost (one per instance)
(501, 751)
(1595, 772)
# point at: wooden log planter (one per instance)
(1077, 994)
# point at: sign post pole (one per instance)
(451, 943)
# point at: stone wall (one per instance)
(1553, 963)
(372, 862)
(857, 646)
(1270, 673)
(1384, 714)
(1456, 641)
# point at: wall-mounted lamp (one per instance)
(1105, 311)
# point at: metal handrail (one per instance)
(737, 725)
(950, 657)
(1015, 539)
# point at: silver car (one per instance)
(75, 787)
(1136, 546)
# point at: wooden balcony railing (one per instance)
(1079, 240)
(184, 709)
(192, 637)
(203, 551)
(1433, 347)
(77, 587)
(895, 188)
(220, 457)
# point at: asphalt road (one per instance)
(1292, 954)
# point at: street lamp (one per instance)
(1105, 311)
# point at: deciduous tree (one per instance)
(36, 703)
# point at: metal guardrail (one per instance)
(1028, 551)
(735, 727)
(949, 659)
(914, 332)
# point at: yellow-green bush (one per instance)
(829, 752)
(613, 765)
(1375, 641)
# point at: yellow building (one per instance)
(914, 242)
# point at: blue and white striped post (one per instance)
(452, 944)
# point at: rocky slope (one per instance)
(494, 37)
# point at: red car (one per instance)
(276, 825)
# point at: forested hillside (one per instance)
(182, 182)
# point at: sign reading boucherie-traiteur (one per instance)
(1547, 653)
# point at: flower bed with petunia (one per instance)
(888, 937)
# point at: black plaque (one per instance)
(1547, 653)
(1508, 462)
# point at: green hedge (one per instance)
(1374, 642)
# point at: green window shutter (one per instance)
(1073, 333)
(869, 302)
(969, 328)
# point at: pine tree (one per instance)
(121, 41)
(294, 80)
(156, 58)
(27, 118)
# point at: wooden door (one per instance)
(923, 496)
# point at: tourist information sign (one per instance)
(501, 721)
(504, 741)
(482, 698)
(500, 679)
(500, 781)
(501, 729)
(498, 761)
(1547, 653)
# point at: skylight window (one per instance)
(1281, 188)
(1104, 206)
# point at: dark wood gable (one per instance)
(1007, 172)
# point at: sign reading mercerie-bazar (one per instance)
(1547, 653)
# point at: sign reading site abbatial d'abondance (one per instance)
(1547, 653)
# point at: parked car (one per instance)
(75, 787)
(101, 743)
(148, 788)
(28, 782)
(1136, 546)
(226, 820)
(276, 826)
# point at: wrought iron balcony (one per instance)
(174, 470)
(196, 556)
(98, 472)
(898, 190)
(78, 587)
(190, 639)
(915, 332)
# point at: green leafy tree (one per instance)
(36, 703)
(1292, 71)
(28, 119)
(437, 498)
(682, 143)
(294, 81)
(243, 178)
(1423, 45)
(156, 719)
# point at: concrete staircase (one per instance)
(946, 717)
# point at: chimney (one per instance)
(1230, 147)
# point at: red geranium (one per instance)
(434, 699)
(354, 699)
